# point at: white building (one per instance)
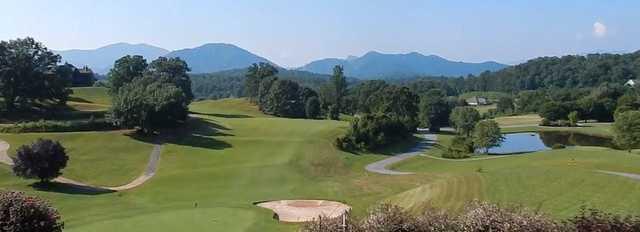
(632, 83)
(477, 101)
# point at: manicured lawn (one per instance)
(99, 158)
(235, 156)
(557, 182)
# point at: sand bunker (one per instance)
(305, 210)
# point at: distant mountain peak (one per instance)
(214, 57)
(374, 64)
(101, 59)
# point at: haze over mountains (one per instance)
(215, 57)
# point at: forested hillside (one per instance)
(560, 72)
(230, 83)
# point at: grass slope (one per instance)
(558, 182)
(92, 161)
(234, 157)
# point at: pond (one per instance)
(544, 140)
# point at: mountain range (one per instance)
(215, 57)
(375, 65)
(101, 60)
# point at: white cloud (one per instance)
(599, 29)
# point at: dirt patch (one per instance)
(305, 210)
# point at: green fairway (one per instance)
(558, 182)
(234, 155)
(89, 99)
(98, 158)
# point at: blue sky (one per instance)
(292, 33)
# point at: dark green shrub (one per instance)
(43, 160)
(558, 146)
(58, 126)
(372, 131)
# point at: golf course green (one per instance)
(232, 155)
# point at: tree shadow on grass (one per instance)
(71, 189)
(222, 115)
(196, 132)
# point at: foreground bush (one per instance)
(488, 217)
(595, 220)
(476, 217)
(21, 213)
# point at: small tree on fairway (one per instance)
(626, 130)
(22, 213)
(464, 119)
(487, 135)
(573, 118)
(42, 160)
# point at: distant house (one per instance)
(632, 83)
(477, 101)
(82, 77)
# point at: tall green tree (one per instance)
(125, 70)
(28, 73)
(285, 97)
(505, 105)
(464, 119)
(433, 110)
(149, 104)
(486, 135)
(626, 130)
(173, 70)
(254, 76)
(339, 84)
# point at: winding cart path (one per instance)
(150, 171)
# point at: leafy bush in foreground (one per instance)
(476, 217)
(21, 213)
